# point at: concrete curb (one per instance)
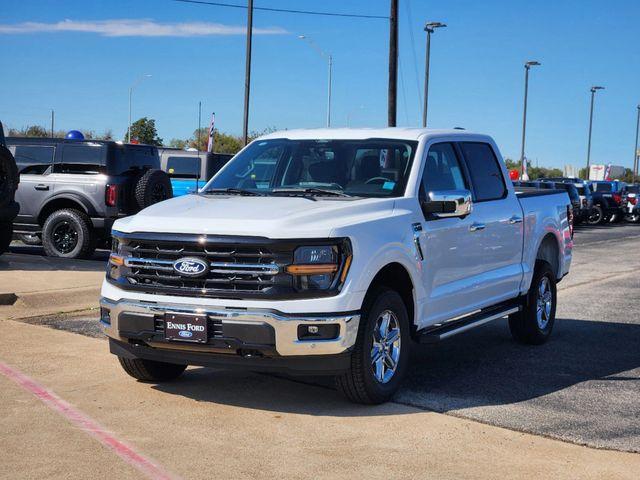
(36, 304)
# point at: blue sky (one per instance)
(476, 82)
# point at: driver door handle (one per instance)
(41, 187)
(477, 227)
(515, 219)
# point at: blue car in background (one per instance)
(190, 170)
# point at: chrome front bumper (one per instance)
(285, 326)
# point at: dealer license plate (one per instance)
(185, 327)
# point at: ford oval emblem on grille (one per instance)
(191, 267)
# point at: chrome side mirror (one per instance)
(448, 203)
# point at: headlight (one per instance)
(116, 259)
(320, 267)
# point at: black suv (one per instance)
(9, 179)
(71, 191)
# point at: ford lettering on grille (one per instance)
(191, 267)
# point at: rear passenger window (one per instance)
(33, 159)
(442, 170)
(484, 170)
(183, 167)
(82, 159)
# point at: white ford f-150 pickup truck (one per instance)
(334, 251)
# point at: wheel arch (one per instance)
(549, 251)
(395, 276)
(64, 201)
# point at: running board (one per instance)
(448, 329)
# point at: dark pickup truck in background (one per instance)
(9, 180)
(71, 191)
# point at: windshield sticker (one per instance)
(388, 185)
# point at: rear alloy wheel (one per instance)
(381, 354)
(596, 216)
(67, 233)
(633, 218)
(534, 323)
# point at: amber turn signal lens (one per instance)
(116, 260)
(345, 269)
(317, 269)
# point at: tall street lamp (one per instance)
(330, 71)
(593, 94)
(134, 85)
(429, 28)
(636, 152)
(527, 67)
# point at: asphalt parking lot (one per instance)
(581, 388)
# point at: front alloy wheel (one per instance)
(387, 342)
(380, 355)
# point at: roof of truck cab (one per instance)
(399, 133)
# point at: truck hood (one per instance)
(273, 217)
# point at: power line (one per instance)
(285, 10)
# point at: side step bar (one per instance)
(445, 330)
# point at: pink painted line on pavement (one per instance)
(144, 464)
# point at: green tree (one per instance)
(178, 143)
(144, 130)
(29, 131)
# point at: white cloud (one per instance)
(135, 28)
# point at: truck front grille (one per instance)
(232, 268)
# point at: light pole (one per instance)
(636, 152)
(429, 28)
(527, 67)
(330, 71)
(593, 94)
(247, 73)
(134, 85)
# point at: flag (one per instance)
(211, 132)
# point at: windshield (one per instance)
(602, 187)
(359, 168)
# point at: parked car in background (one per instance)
(71, 191)
(633, 204)
(609, 201)
(188, 169)
(571, 190)
(329, 252)
(9, 180)
(583, 202)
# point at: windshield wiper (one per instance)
(311, 190)
(233, 191)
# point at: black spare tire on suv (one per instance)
(151, 187)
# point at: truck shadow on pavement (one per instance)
(32, 258)
(481, 368)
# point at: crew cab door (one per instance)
(495, 238)
(448, 260)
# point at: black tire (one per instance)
(526, 326)
(596, 216)
(152, 187)
(9, 177)
(632, 218)
(67, 233)
(6, 234)
(30, 239)
(360, 383)
(150, 370)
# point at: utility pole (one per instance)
(199, 123)
(527, 67)
(636, 152)
(247, 74)
(53, 122)
(393, 64)
(593, 94)
(429, 28)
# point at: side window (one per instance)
(33, 160)
(484, 170)
(183, 167)
(81, 159)
(442, 169)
